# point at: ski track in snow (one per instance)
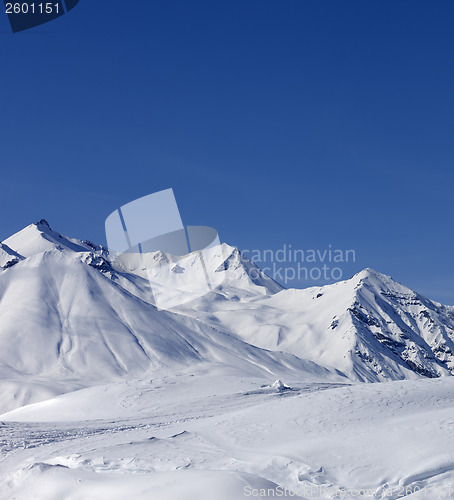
(328, 437)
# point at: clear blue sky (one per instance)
(300, 122)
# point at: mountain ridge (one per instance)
(66, 315)
(72, 317)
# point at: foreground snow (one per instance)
(212, 434)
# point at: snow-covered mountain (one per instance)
(69, 319)
(38, 238)
(369, 327)
(248, 388)
(181, 279)
(72, 317)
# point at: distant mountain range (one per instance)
(72, 317)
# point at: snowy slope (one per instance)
(66, 322)
(39, 237)
(71, 318)
(369, 327)
(8, 257)
(197, 435)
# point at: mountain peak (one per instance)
(43, 222)
(370, 327)
(40, 237)
(370, 278)
(369, 273)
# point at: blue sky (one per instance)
(307, 123)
